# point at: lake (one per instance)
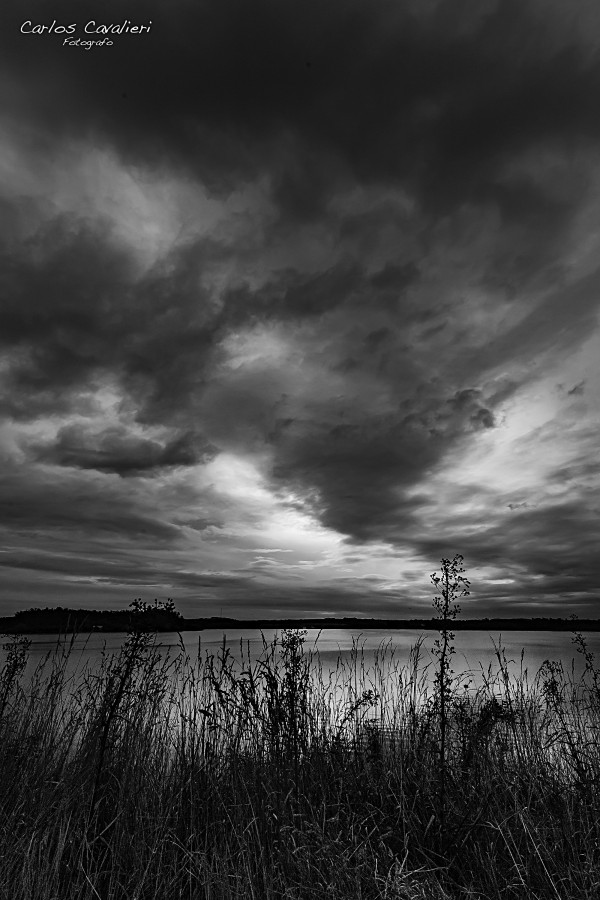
(335, 648)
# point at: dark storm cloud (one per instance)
(387, 371)
(436, 99)
(296, 296)
(360, 472)
(116, 450)
(466, 404)
(40, 501)
(74, 309)
(80, 565)
(439, 101)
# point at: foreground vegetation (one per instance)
(157, 776)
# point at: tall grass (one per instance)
(159, 776)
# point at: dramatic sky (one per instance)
(297, 298)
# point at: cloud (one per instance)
(41, 500)
(436, 99)
(76, 310)
(114, 449)
(577, 388)
(299, 274)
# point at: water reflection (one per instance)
(476, 651)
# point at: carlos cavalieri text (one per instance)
(91, 28)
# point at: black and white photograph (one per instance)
(299, 449)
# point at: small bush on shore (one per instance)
(157, 777)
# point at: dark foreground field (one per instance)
(170, 778)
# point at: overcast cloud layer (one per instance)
(297, 298)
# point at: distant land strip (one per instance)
(62, 620)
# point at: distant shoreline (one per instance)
(80, 621)
(495, 624)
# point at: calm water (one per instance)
(475, 650)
